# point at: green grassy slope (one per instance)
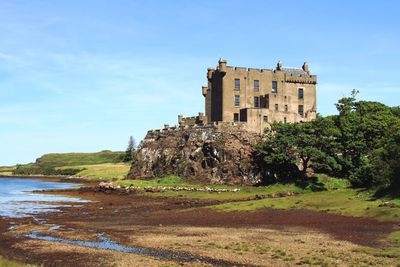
(75, 159)
(104, 164)
(102, 171)
(337, 197)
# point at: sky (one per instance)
(83, 76)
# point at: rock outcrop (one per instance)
(215, 153)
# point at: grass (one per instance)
(245, 191)
(7, 263)
(77, 159)
(6, 170)
(344, 201)
(102, 171)
(104, 164)
(392, 250)
(164, 181)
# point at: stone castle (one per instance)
(218, 146)
(255, 98)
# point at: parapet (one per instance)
(200, 119)
(223, 127)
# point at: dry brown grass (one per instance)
(264, 247)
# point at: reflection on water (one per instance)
(18, 201)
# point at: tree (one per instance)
(361, 144)
(292, 150)
(385, 162)
(363, 126)
(130, 150)
(278, 154)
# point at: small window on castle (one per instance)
(256, 102)
(301, 110)
(276, 107)
(265, 118)
(256, 85)
(301, 93)
(284, 120)
(286, 108)
(237, 100)
(274, 87)
(237, 84)
(235, 117)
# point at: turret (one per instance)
(222, 65)
(204, 90)
(210, 73)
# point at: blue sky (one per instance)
(85, 75)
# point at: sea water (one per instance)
(17, 199)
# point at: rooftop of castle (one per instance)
(290, 71)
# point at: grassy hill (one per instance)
(76, 159)
(104, 164)
(103, 170)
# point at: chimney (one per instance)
(305, 67)
(279, 65)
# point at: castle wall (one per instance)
(221, 92)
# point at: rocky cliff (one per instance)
(221, 154)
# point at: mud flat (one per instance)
(142, 230)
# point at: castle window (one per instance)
(256, 85)
(301, 110)
(266, 102)
(286, 108)
(274, 87)
(256, 102)
(265, 118)
(237, 100)
(237, 84)
(301, 93)
(276, 107)
(284, 120)
(235, 117)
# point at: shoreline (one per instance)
(54, 178)
(157, 222)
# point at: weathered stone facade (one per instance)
(257, 97)
(218, 153)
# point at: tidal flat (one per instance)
(190, 232)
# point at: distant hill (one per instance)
(75, 159)
(72, 164)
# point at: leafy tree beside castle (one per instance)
(292, 149)
(361, 143)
